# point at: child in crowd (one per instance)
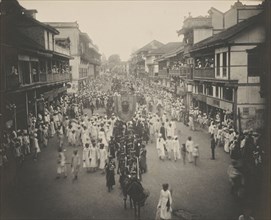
(75, 164)
(183, 152)
(26, 143)
(36, 146)
(61, 164)
(195, 153)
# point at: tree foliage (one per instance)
(113, 61)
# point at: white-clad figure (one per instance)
(71, 136)
(165, 203)
(86, 157)
(52, 128)
(109, 131)
(102, 136)
(85, 136)
(226, 140)
(160, 146)
(157, 126)
(94, 158)
(170, 130)
(176, 148)
(169, 147)
(189, 148)
(102, 156)
(152, 130)
(211, 128)
(164, 117)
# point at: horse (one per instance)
(137, 195)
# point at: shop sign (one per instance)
(23, 57)
(201, 98)
(213, 102)
(180, 89)
(9, 124)
(189, 88)
(62, 89)
(226, 105)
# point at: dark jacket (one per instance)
(213, 143)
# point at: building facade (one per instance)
(227, 73)
(218, 68)
(141, 62)
(33, 68)
(86, 57)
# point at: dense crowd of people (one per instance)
(108, 143)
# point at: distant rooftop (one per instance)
(166, 48)
(86, 37)
(229, 33)
(196, 22)
(63, 24)
(150, 46)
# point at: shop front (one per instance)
(15, 111)
(200, 102)
(213, 106)
(219, 107)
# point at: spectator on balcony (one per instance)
(35, 75)
(14, 71)
(54, 69)
(13, 77)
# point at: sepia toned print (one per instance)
(135, 110)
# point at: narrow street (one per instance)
(82, 75)
(195, 189)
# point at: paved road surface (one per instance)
(202, 190)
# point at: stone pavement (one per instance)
(201, 191)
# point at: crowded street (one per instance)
(191, 186)
(108, 114)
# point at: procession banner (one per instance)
(125, 106)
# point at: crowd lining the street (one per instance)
(105, 139)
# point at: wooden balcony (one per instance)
(184, 71)
(91, 56)
(15, 82)
(59, 77)
(62, 50)
(206, 73)
(162, 72)
(174, 72)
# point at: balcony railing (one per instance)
(162, 72)
(174, 72)
(62, 50)
(59, 77)
(14, 82)
(184, 71)
(204, 73)
(91, 56)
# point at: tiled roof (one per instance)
(86, 37)
(171, 46)
(21, 41)
(16, 15)
(63, 24)
(226, 35)
(150, 46)
(172, 52)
